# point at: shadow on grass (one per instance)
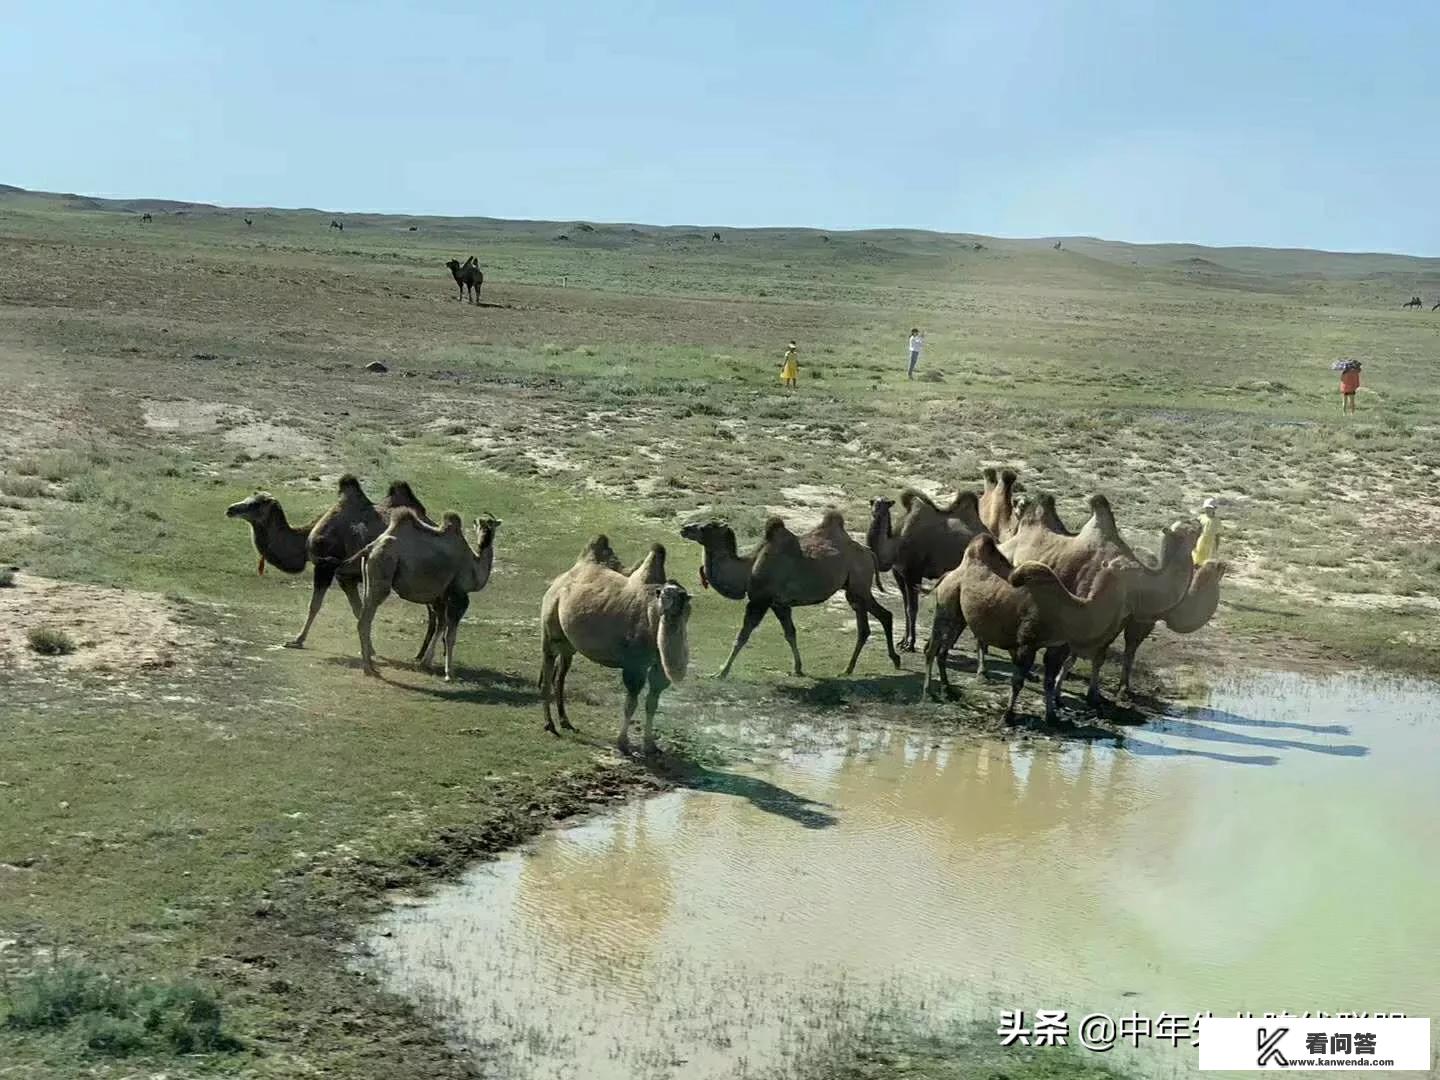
(475, 685)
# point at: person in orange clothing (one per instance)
(1349, 383)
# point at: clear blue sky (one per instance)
(1268, 122)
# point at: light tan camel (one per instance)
(1193, 612)
(997, 502)
(1023, 610)
(929, 543)
(329, 541)
(424, 565)
(1077, 561)
(788, 571)
(636, 622)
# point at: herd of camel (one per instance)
(1006, 568)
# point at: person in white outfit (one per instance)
(917, 342)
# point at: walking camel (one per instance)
(636, 622)
(425, 565)
(1414, 302)
(326, 543)
(787, 571)
(929, 543)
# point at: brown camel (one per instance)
(787, 571)
(1078, 559)
(468, 276)
(327, 542)
(636, 622)
(1193, 612)
(1023, 610)
(929, 544)
(997, 502)
(424, 565)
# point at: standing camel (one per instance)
(634, 621)
(467, 275)
(787, 571)
(326, 543)
(1077, 561)
(929, 543)
(337, 225)
(424, 565)
(1190, 614)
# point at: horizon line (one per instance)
(720, 225)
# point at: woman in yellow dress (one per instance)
(1209, 542)
(790, 369)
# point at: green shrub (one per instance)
(116, 1020)
(47, 641)
(23, 487)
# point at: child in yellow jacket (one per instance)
(1209, 542)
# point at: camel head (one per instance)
(256, 509)
(880, 508)
(831, 519)
(486, 526)
(674, 600)
(706, 533)
(454, 266)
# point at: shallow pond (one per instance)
(1275, 849)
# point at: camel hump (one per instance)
(1008, 477)
(1099, 504)
(450, 522)
(832, 519)
(1036, 573)
(990, 475)
(965, 500)
(599, 551)
(984, 549)
(348, 482)
(774, 527)
(911, 496)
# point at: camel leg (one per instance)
(456, 604)
(887, 623)
(634, 683)
(658, 684)
(1136, 631)
(562, 669)
(1023, 660)
(943, 633)
(754, 612)
(549, 657)
(432, 626)
(1054, 661)
(912, 616)
(351, 588)
(324, 576)
(787, 623)
(982, 653)
(374, 597)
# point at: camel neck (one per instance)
(727, 571)
(280, 545)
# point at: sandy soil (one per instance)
(114, 630)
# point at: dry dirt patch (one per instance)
(114, 630)
(236, 424)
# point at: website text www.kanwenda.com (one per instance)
(1348, 1062)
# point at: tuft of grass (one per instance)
(47, 641)
(117, 1019)
(23, 487)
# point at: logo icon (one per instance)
(1268, 1043)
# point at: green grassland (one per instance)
(225, 817)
